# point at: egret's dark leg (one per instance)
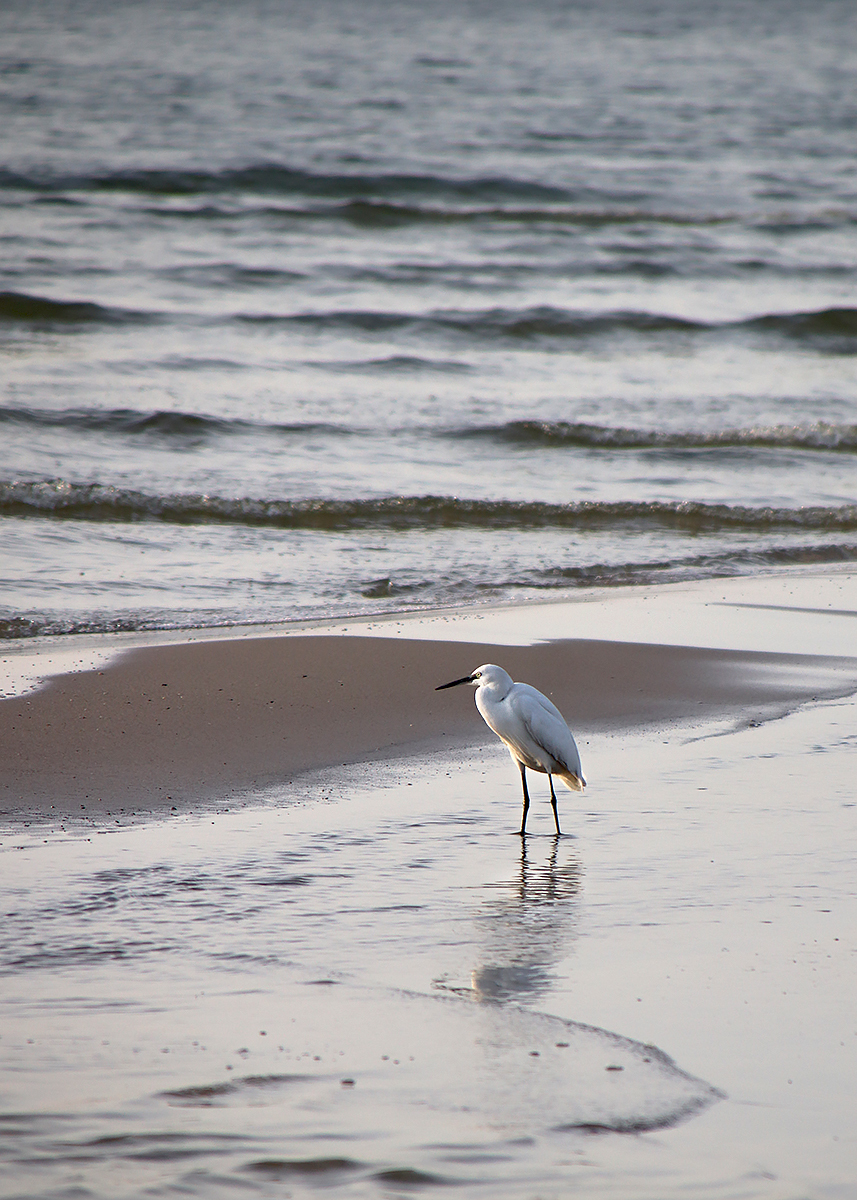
(526, 798)
(553, 805)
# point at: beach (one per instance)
(288, 938)
(208, 717)
(346, 348)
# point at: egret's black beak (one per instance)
(455, 683)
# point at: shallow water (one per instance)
(306, 314)
(364, 985)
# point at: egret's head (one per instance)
(483, 676)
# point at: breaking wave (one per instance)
(98, 502)
(157, 423)
(820, 436)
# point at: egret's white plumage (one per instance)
(531, 727)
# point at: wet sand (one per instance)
(358, 978)
(183, 725)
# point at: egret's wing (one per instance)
(545, 724)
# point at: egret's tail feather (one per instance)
(574, 783)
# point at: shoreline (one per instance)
(319, 960)
(178, 724)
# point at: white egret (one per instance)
(531, 727)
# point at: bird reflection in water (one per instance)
(525, 929)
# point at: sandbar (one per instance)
(171, 726)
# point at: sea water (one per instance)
(321, 308)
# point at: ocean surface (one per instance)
(325, 308)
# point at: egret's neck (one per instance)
(495, 690)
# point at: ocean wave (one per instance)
(98, 502)
(821, 323)
(368, 213)
(387, 214)
(396, 364)
(518, 324)
(21, 307)
(127, 422)
(387, 198)
(376, 214)
(577, 434)
(831, 329)
(15, 627)
(378, 199)
(231, 275)
(159, 423)
(720, 565)
(277, 179)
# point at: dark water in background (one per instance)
(334, 307)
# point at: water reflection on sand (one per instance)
(377, 986)
(526, 927)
